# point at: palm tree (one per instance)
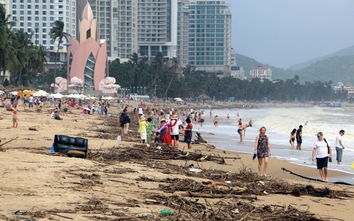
(5, 19)
(8, 52)
(57, 33)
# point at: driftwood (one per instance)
(8, 141)
(190, 194)
(309, 178)
(199, 139)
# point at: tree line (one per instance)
(161, 77)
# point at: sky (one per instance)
(283, 33)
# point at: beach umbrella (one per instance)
(40, 93)
(1, 92)
(13, 93)
(57, 95)
(108, 98)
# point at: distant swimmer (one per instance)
(239, 122)
(216, 121)
(299, 137)
(306, 123)
(292, 139)
(228, 116)
(239, 131)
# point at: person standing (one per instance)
(149, 130)
(292, 139)
(156, 119)
(299, 137)
(339, 146)
(321, 150)
(174, 125)
(142, 129)
(262, 149)
(201, 118)
(30, 104)
(188, 133)
(216, 121)
(14, 118)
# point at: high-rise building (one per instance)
(209, 35)
(183, 32)
(117, 21)
(236, 71)
(38, 16)
(6, 4)
(157, 28)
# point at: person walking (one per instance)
(321, 152)
(339, 146)
(292, 139)
(299, 137)
(262, 149)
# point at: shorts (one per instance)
(188, 138)
(65, 109)
(175, 137)
(299, 140)
(291, 140)
(322, 162)
(201, 120)
(339, 154)
(14, 120)
(239, 130)
(143, 135)
(30, 104)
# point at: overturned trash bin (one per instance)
(71, 146)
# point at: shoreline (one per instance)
(34, 181)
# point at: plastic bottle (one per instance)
(166, 212)
(119, 138)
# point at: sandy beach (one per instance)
(129, 181)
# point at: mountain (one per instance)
(343, 52)
(334, 68)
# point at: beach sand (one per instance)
(36, 183)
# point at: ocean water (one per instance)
(279, 123)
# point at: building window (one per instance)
(44, 12)
(44, 36)
(29, 13)
(22, 12)
(36, 12)
(51, 12)
(29, 6)
(14, 12)
(44, 7)
(44, 41)
(29, 18)
(29, 24)
(14, 6)
(36, 18)
(22, 7)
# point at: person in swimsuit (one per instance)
(65, 108)
(299, 137)
(239, 131)
(14, 118)
(262, 149)
(216, 121)
(292, 138)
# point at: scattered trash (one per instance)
(228, 182)
(159, 148)
(265, 192)
(261, 182)
(166, 212)
(235, 211)
(195, 170)
(119, 138)
(147, 215)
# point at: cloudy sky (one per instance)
(286, 32)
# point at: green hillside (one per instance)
(337, 68)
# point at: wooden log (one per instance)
(8, 141)
(190, 194)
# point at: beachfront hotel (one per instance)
(38, 16)
(209, 35)
(157, 28)
(117, 21)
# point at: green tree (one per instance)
(57, 33)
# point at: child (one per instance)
(149, 129)
(188, 133)
(14, 118)
(142, 129)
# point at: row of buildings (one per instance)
(197, 32)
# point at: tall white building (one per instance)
(157, 28)
(38, 16)
(209, 35)
(183, 32)
(117, 21)
(6, 4)
(236, 71)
